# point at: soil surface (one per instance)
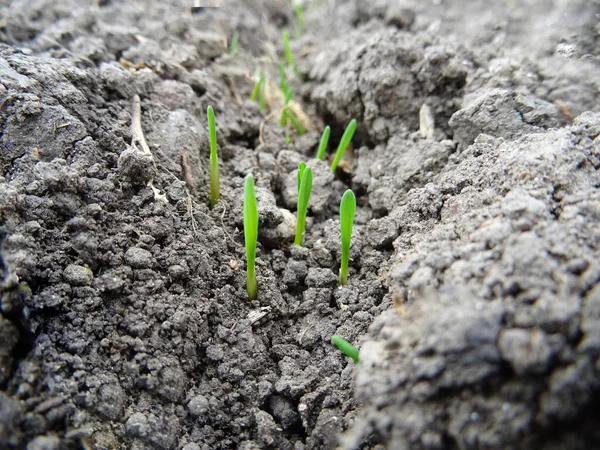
(474, 284)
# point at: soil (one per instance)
(474, 285)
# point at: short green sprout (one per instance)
(297, 125)
(215, 192)
(250, 234)
(346, 138)
(289, 94)
(347, 210)
(304, 188)
(345, 347)
(324, 142)
(258, 91)
(235, 40)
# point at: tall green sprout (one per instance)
(250, 234)
(304, 188)
(300, 15)
(324, 142)
(215, 192)
(345, 347)
(346, 138)
(347, 210)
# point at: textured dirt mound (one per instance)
(474, 282)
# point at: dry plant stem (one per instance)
(262, 125)
(136, 127)
(186, 168)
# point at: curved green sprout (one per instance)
(215, 192)
(346, 138)
(347, 210)
(304, 188)
(324, 142)
(250, 234)
(345, 347)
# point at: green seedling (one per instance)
(347, 210)
(299, 128)
(288, 139)
(250, 234)
(283, 78)
(300, 16)
(235, 40)
(345, 347)
(289, 94)
(215, 192)
(346, 138)
(304, 188)
(258, 91)
(287, 49)
(324, 142)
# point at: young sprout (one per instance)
(324, 142)
(258, 91)
(283, 78)
(287, 48)
(297, 125)
(347, 210)
(304, 188)
(215, 192)
(345, 347)
(234, 42)
(289, 94)
(250, 234)
(346, 138)
(300, 16)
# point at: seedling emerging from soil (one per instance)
(324, 142)
(215, 192)
(304, 188)
(346, 138)
(234, 42)
(250, 234)
(347, 210)
(345, 347)
(258, 91)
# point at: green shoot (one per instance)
(301, 168)
(215, 192)
(287, 48)
(288, 138)
(283, 83)
(324, 142)
(347, 210)
(300, 15)
(299, 128)
(235, 40)
(346, 138)
(345, 347)
(289, 94)
(304, 188)
(250, 234)
(258, 91)
(256, 88)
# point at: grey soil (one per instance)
(474, 292)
